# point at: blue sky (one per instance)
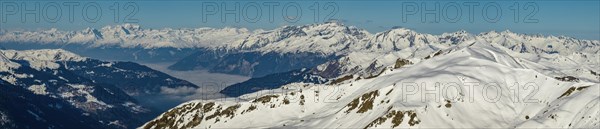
(579, 18)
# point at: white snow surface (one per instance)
(480, 85)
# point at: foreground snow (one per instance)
(480, 85)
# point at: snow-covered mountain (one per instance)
(404, 46)
(333, 75)
(478, 85)
(335, 42)
(262, 52)
(129, 35)
(325, 38)
(132, 78)
(54, 88)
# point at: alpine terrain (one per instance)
(404, 79)
(326, 75)
(54, 88)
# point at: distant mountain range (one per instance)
(262, 52)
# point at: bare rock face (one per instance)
(401, 62)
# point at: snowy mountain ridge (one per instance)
(326, 38)
(43, 54)
(446, 90)
(44, 58)
(54, 88)
(262, 52)
(129, 35)
(580, 64)
(47, 87)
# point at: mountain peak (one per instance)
(124, 29)
(127, 26)
(397, 30)
(131, 26)
(331, 25)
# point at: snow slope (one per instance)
(580, 59)
(481, 85)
